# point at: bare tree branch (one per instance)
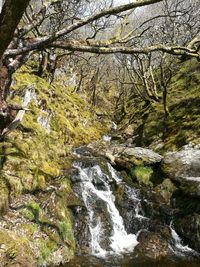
(83, 47)
(45, 41)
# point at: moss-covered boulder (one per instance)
(184, 167)
(165, 190)
(125, 157)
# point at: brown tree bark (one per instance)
(10, 16)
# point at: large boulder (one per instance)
(127, 156)
(151, 246)
(184, 167)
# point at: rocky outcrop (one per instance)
(123, 155)
(184, 167)
(132, 155)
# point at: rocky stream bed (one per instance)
(136, 206)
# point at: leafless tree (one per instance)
(76, 26)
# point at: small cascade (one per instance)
(113, 216)
(96, 188)
(179, 248)
(132, 194)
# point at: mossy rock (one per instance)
(4, 199)
(15, 250)
(152, 246)
(165, 190)
(15, 186)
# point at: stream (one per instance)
(106, 231)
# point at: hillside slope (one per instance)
(183, 123)
(36, 195)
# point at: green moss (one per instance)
(142, 174)
(28, 214)
(14, 185)
(183, 123)
(35, 209)
(66, 232)
(45, 251)
(15, 250)
(166, 190)
(4, 193)
(34, 163)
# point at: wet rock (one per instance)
(83, 151)
(152, 246)
(188, 228)
(81, 230)
(155, 207)
(130, 209)
(184, 167)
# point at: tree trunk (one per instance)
(5, 81)
(140, 130)
(10, 16)
(165, 120)
(165, 102)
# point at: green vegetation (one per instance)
(66, 231)
(35, 209)
(142, 174)
(32, 160)
(183, 123)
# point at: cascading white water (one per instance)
(132, 194)
(179, 248)
(120, 241)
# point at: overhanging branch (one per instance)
(45, 41)
(173, 50)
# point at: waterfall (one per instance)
(95, 186)
(114, 215)
(131, 192)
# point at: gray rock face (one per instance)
(122, 155)
(189, 228)
(184, 167)
(145, 154)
